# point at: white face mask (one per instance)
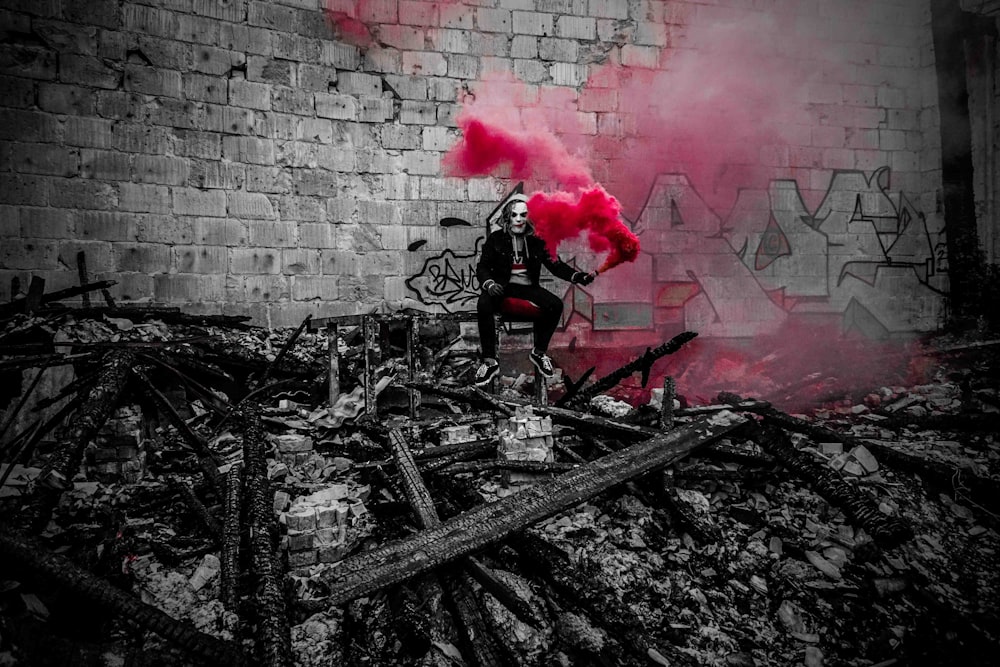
(519, 218)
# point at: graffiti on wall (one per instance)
(866, 256)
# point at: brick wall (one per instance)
(239, 156)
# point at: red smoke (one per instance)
(561, 215)
(485, 148)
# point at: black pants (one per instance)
(544, 325)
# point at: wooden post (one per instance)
(81, 267)
(369, 332)
(667, 406)
(333, 359)
(541, 390)
(412, 350)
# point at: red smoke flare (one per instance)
(484, 148)
(562, 215)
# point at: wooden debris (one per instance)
(473, 530)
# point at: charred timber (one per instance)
(395, 562)
(20, 305)
(982, 490)
(230, 560)
(64, 462)
(476, 636)
(422, 504)
(829, 483)
(31, 558)
(536, 467)
(474, 396)
(197, 508)
(283, 352)
(642, 363)
(275, 648)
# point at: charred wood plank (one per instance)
(487, 524)
(474, 396)
(63, 463)
(982, 490)
(275, 649)
(31, 558)
(829, 483)
(536, 467)
(642, 363)
(21, 305)
(477, 640)
(231, 539)
(420, 500)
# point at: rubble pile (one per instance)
(195, 485)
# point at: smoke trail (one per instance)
(562, 215)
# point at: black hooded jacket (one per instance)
(497, 258)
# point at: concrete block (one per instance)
(493, 20)
(418, 113)
(191, 143)
(160, 169)
(403, 37)
(340, 263)
(265, 288)
(418, 13)
(146, 258)
(552, 48)
(48, 159)
(272, 16)
(30, 62)
(336, 159)
(320, 288)
(531, 71)
(382, 61)
(249, 94)
(272, 234)
(189, 288)
(264, 69)
(88, 71)
(421, 162)
(576, 27)
(250, 205)
(532, 23)
(302, 209)
(66, 99)
(248, 149)
(29, 254)
(647, 57)
(105, 165)
(254, 261)
(462, 67)
(213, 60)
(611, 9)
(442, 189)
(152, 81)
(524, 46)
(106, 226)
(205, 88)
(292, 100)
(317, 235)
(318, 78)
(407, 87)
(300, 261)
(77, 193)
(18, 92)
(46, 223)
(341, 107)
(456, 17)
(219, 231)
(98, 253)
(375, 110)
(268, 179)
(191, 201)
(132, 138)
(200, 259)
(223, 175)
(424, 63)
(451, 41)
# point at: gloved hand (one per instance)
(581, 278)
(493, 288)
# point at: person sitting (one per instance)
(508, 269)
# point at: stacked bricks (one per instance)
(118, 454)
(244, 158)
(321, 526)
(525, 437)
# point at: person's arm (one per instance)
(561, 269)
(484, 269)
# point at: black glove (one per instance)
(581, 278)
(493, 288)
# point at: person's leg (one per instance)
(485, 310)
(551, 308)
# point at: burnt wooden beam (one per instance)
(982, 490)
(275, 648)
(474, 396)
(398, 561)
(642, 363)
(57, 474)
(420, 500)
(197, 508)
(230, 561)
(34, 301)
(33, 560)
(283, 352)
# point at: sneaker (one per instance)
(487, 370)
(542, 363)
